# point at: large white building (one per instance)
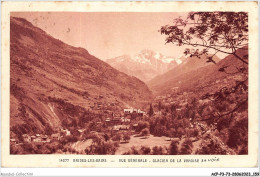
(132, 110)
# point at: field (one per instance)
(150, 141)
(80, 146)
(138, 142)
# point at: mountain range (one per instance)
(144, 65)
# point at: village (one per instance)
(111, 125)
(170, 117)
(119, 127)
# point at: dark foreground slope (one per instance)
(211, 101)
(53, 85)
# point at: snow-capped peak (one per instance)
(178, 61)
(149, 57)
(141, 59)
(157, 55)
(167, 59)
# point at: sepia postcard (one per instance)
(129, 84)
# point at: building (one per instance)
(108, 122)
(66, 132)
(33, 138)
(45, 138)
(38, 135)
(118, 128)
(26, 138)
(12, 141)
(116, 121)
(37, 139)
(80, 131)
(158, 113)
(133, 113)
(56, 136)
(125, 120)
(128, 111)
(123, 127)
(99, 126)
(115, 129)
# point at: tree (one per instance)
(145, 132)
(126, 137)
(157, 150)
(218, 31)
(238, 136)
(173, 109)
(209, 33)
(145, 150)
(132, 151)
(171, 133)
(193, 132)
(142, 125)
(102, 147)
(180, 132)
(186, 147)
(117, 137)
(151, 110)
(211, 147)
(159, 106)
(174, 147)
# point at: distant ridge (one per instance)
(195, 72)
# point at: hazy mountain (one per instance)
(188, 64)
(194, 74)
(53, 84)
(144, 65)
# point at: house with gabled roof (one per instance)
(26, 138)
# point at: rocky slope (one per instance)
(53, 84)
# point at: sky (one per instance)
(108, 34)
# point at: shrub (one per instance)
(29, 148)
(145, 150)
(211, 147)
(157, 150)
(145, 132)
(102, 147)
(142, 125)
(134, 151)
(117, 137)
(186, 147)
(174, 147)
(126, 137)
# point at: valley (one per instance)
(66, 101)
